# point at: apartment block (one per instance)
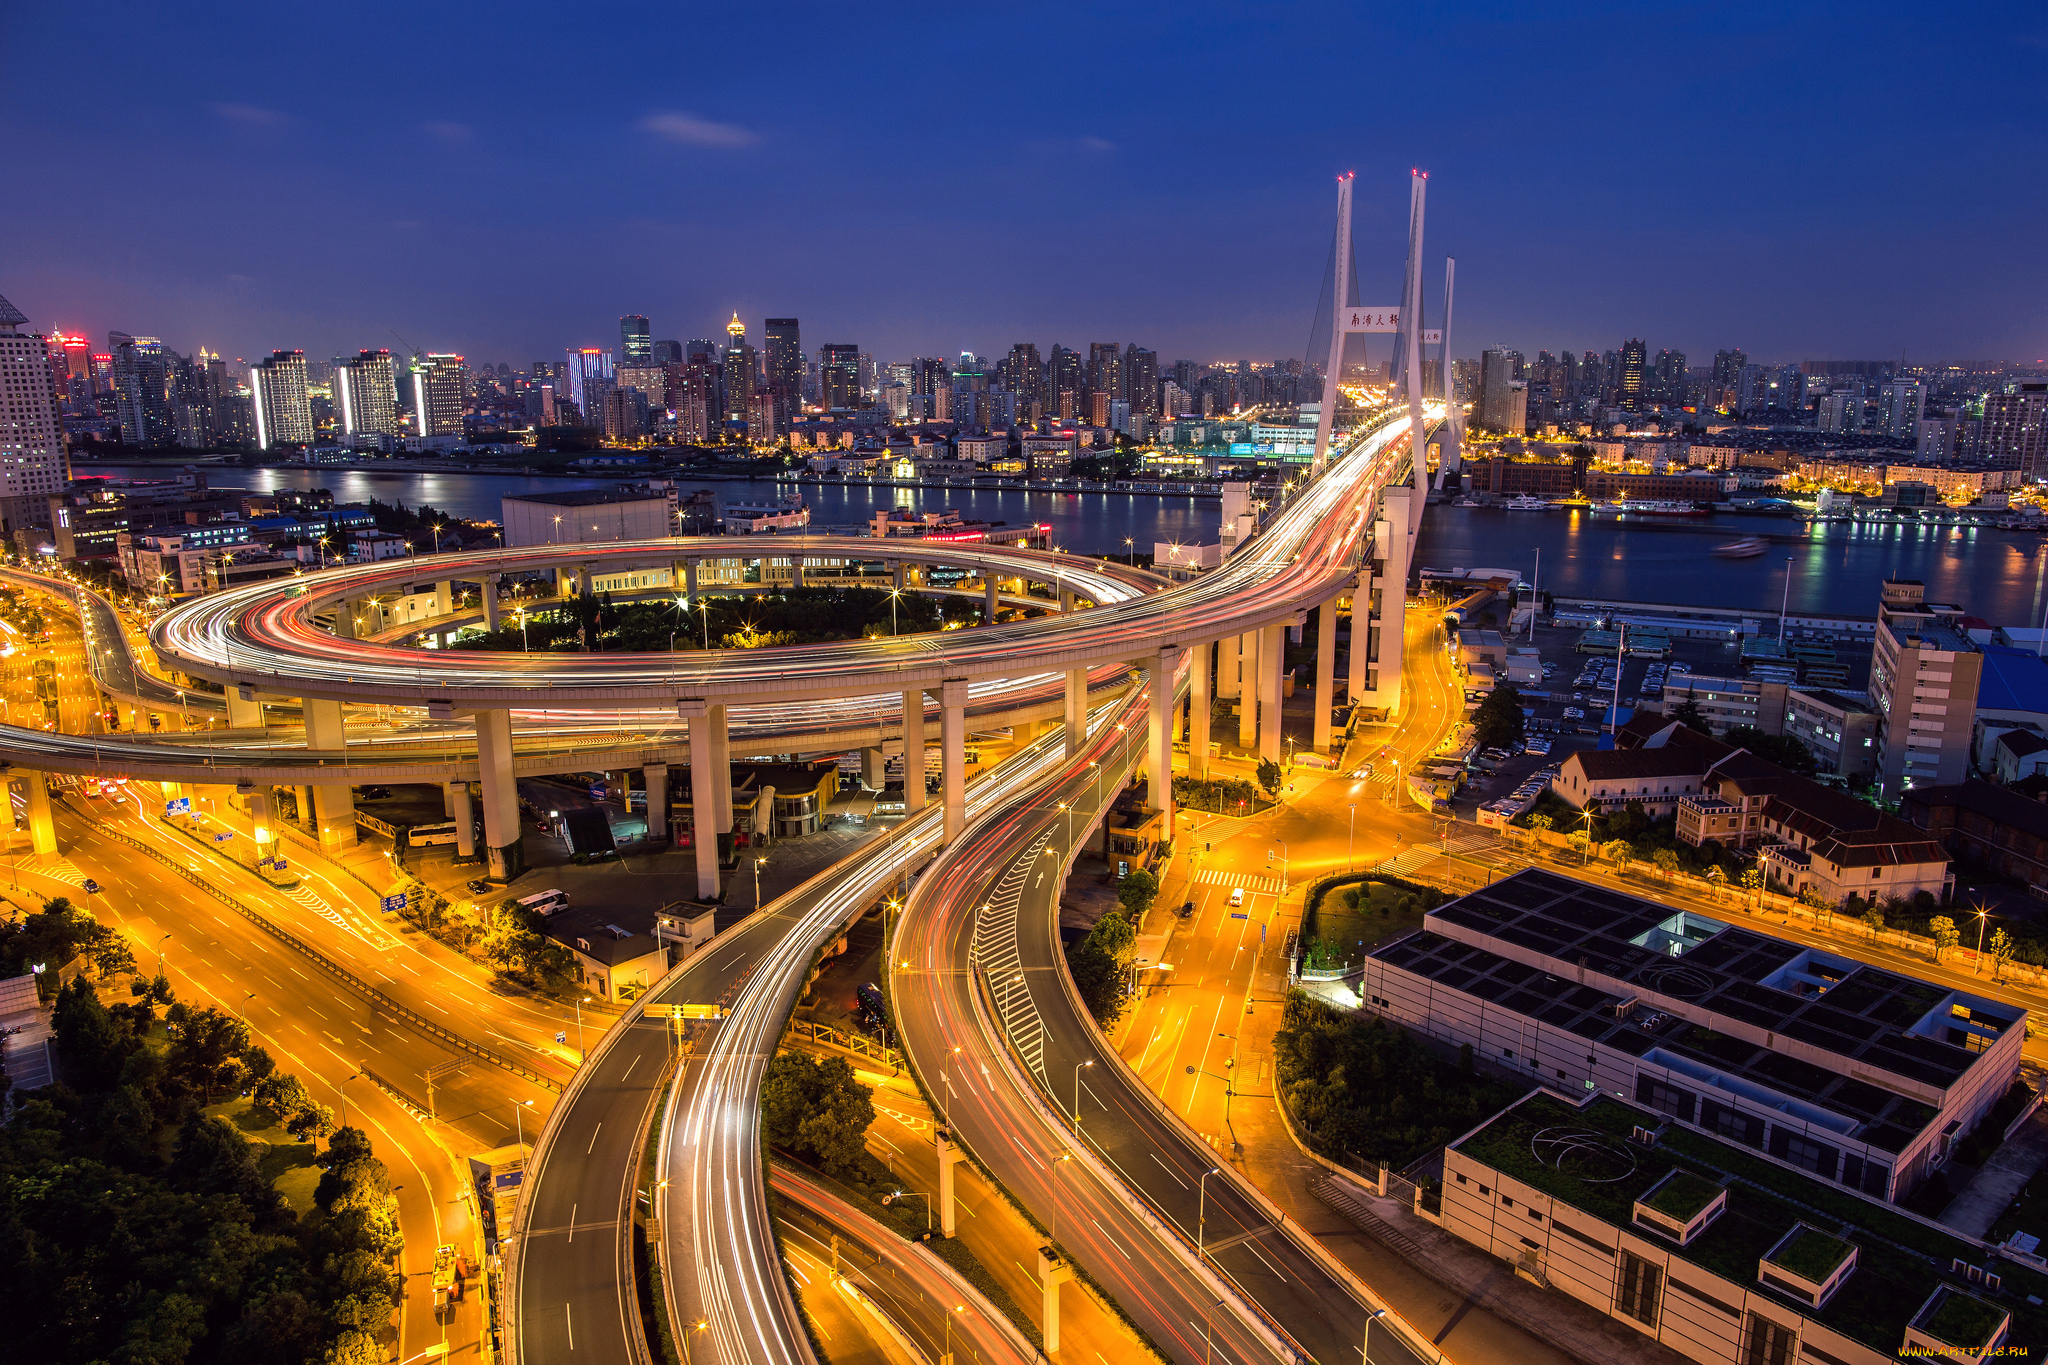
(1924, 675)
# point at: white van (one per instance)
(1236, 895)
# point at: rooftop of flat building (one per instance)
(586, 497)
(1588, 1157)
(1879, 1021)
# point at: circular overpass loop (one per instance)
(266, 635)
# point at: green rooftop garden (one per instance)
(1812, 1255)
(1963, 1320)
(1586, 1158)
(1682, 1196)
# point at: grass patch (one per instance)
(286, 1162)
(1812, 1255)
(1344, 916)
(1964, 1320)
(1682, 1196)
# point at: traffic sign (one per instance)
(597, 791)
(562, 1036)
(393, 904)
(1239, 914)
(685, 1012)
(180, 805)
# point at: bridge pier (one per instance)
(42, 825)
(988, 599)
(949, 1156)
(1076, 714)
(444, 598)
(303, 796)
(1200, 709)
(688, 578)
(1392, 533)
(244, 713)
(1228, 683)
(503, 850)
(1066, 599)
(334, 803)
(1248, 691)
(1326, 672)
(796, 571)
(1053, 1271)
(703, 798)
(913, 750)
(583, 579)
(487, 589)
(462, 810)
(721, 767)
(1162, 711)
(874, 771)
(1361, 634)
(655, 775)
(1272, 649)
(899, 575)
(953, 756)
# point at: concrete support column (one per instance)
(656, 777)
(501, 795)
(345, 618)
(1227, 683)
(1077, 710)
(487, 589)
(334, 805)
(448, 799)
(953, 755)
(1248, 691)
(988, 601)
(874, 773)
(464, 814)
(304, 796)
(690, 580)
(1326, 672)
(1200, 708)
(1271, 651)
(1393, 586)
(1066, 599)
(243, 714)
(1361, 636)
(703, 798)
(913, 750)
(897, 567)
(583, 579)
(444, 598)
(949, 1157)
(42, 825)
(1160, 713)
(721, 766)
(1053, 1271)
(796, 571)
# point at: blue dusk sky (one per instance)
(1802, 180)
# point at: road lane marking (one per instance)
(572, 1215)
(1169, 1170)
(567, 1321)
(593, 1144)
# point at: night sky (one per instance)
(1801, 180)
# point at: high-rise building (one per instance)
(1841, 410)
(1924, 675)
(33, 464)
(284, 410)
(1106, 371)
(1905, 402)
(668, 352)
(142, 389)
(1025, 375)
(635, 345)
(786, 362)
(2015, 427)
(1727, 378)
(1634, 361)
(437, 395)
(738, 366)
(1066, 378)
(693, 393)
(1496, 375)
(590, 379)
(366, 395)
(1141, 380)
(1670, 372)
(839, 376)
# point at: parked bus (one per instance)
(545, 902)
(427, 836)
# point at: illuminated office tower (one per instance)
(1634, 354)
(142, 389)
(839, 376)
(786, 362)
(590, 379)
(366, 394)
(636, 345)
(33, 465)
(437, 395)
(284, 410)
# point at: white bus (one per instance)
(426, 836)
(545, 902)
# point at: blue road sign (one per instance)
(393, 904)
(1239, 914)
(597, 791)
(178, 806)
(562, 1038)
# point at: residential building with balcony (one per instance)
(1924, 676)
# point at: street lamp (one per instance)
(1351, 838)
(696, 1327)
(759, 863)
(341, 1088)
(581, 1053)
(946, 1088)
(915, 1194)
(1982, 915)
(1053, 1231)
(1365, 1347)
(894, 593)
(1079, 1067)
(1202, 1212)
(519, 1108)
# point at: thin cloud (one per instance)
(690, 131)
(250, 115)
(1099, 145)
(452, 134)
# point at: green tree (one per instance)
(1873, 920)
(1138, 891)
(1100, 964)
(1619, 852)
(2003, 949)
(1688, 714)
(818, 1109)
(1270, 778)
(1577, 841)
(1499, 722)
(1942, 930)
(1666, 861)
(1783, 750)
(515, 942)
(1540, 823)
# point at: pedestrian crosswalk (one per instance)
(1422, 855)
(995, 951)
(1258, 886)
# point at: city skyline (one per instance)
(516, 224)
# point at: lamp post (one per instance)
(1365, 1347)
(1982, 915)
(1079, 1067)
(759, 863)
(582, 1054)
(519, 1108)
(341, 1088)
(1053, 1230)
(894, 593)
(916, 1194)
(1351, 838)
(946, 1089)
(1202, 1213)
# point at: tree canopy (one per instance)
(1499, 722)
(818, 1109)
